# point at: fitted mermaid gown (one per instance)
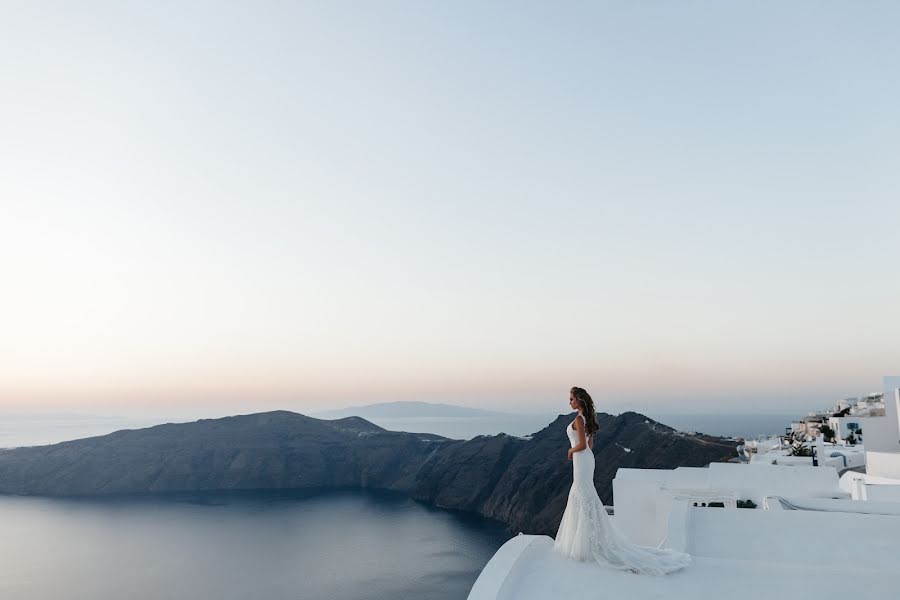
(587, 533)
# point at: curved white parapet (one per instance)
(516, 561)
(502, 566)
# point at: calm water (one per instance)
(746, 426)
(238, 546)
(49, 428)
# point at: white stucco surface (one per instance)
(643, 497)
(542, 574)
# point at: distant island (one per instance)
(406, 410)
(521, 482)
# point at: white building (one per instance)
(871, 405)
(882, 434)
(847, 429)
(847, 404)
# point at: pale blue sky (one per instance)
(679, 206)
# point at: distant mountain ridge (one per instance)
(521, 482)
(400, 410)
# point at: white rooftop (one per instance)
(741, 552)
(539, 573)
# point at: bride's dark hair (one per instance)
(587, 409)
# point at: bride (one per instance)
(586, 531)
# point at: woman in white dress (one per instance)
(586, 531)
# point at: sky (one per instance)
(232, 206)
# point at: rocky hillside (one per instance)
(521, 482)
(526, 482)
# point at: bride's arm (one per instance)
(582, 439)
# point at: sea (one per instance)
(345, 545)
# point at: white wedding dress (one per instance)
(586, 531)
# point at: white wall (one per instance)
(635, 496)
(643, 497)
(882, 434)
(756, 481)
(883, 464)
(882, 493)
(794, 537)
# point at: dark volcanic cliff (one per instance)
(262, 451)
(526, 482)
(518, 481)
